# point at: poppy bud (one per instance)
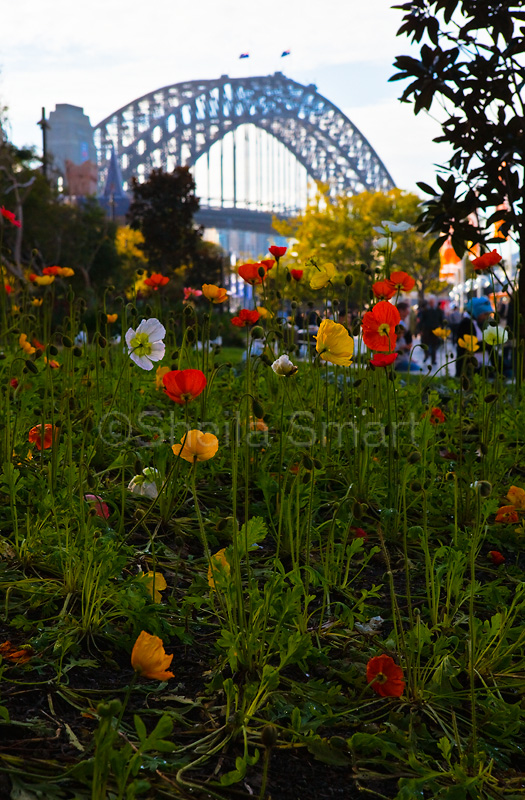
(102, 341)
(266, 360)
(318, 464)
(489, 398)
(465, 383)
(190, 335)
(305, 478)
(349, 280)
(66, 341)
(103, 363)
(483, 448)
(257, 408)
(31, 367)
(52, 350)
(77, 352)
(221, 524)
(484, 488)
(414, 457)
(257, 332)
(102, 318)
(269, 736)
(288, 278)
(356, 329)
(307, 462)
(130, 308)
(357, 402)
(357, 510)
(39, 353)
(261, 272)
(501, 437)
(174, 356)
(293, 305)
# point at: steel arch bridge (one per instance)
(180, 123)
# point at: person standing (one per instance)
(430, 317)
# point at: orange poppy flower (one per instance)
(214, 293)
(250, 272)
(111, 318)
(401, 281)
(219, 567)
(383, 290)
(149, 658)
(507, 514)
(184, 385)
(51, 271)
(436, 416)
(385, 676)
(516, 496)
(156, 280)
(379, 327)
(486, 261)
(10, 652)
(496, 557)
(42, 442)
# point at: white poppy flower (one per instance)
(283, 366)
(384, 243)
(145, 485)
(495, 335)
(145, 345)
(395, 227)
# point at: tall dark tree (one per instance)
(162, 209)
(471, 62)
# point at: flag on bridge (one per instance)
(244, 55)
(285, 53)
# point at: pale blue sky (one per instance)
(104, 54)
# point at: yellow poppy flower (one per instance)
(43, 280)
(322, 275)
(264, 313)
(37, 301)
(24, 344)
(442, 333)
(149, 658)
(334, 343)
(469, 343)
(196, 446)
(65, 272)
(157, 580)
(219, 567)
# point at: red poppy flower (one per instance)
(359, 533)
(277, 252)
(401, 281)
(184, 385)
(10, 217)
(386, 675)
(97, 504)
(14, 383)
(383, 290)
(33, 277)
(496, 557)
(45, 442)
(383, 359)
(38, 345)
(246, 317)
(250, 272)
(379, 327)
(507, 514)
(269, 263)
(486, 261)
(8, 288)
(297, 274)
(156, 280)
(51, 270)
(436, 416)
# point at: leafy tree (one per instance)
(471, 63)
(342, 232)
(162, 209)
